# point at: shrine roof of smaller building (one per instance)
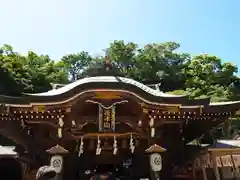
(7, 150)
(111, 84)
(219, 144)
(226, 144)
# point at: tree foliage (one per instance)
(179, 73)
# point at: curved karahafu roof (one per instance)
(110, 83)
(105, 79)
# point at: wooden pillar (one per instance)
(25, 169)
(214, 165)
(194, 170)
(31, 175)
(204, 173)
(203, 164)
(235, 168)
(29, 168)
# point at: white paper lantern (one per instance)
(156, 162)
(57, 163)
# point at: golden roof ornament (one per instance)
(107, 57)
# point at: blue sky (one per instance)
(57, 27)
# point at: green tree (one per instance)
(31, 73)
(15, 76)
(123, 57)
(75, 64)
(155, 58)
(207, 76)
(42, 72)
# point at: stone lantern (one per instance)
(56, 160)
(155, 160)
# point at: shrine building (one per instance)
(108, 123)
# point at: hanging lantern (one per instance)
(98, 150)
(131, 144)
(81, 147)
(115, 148)
(156, 162)
(57, 163)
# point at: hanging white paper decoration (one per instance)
(81, 147)
(115, 148)
(131, 144)
(98, 150)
